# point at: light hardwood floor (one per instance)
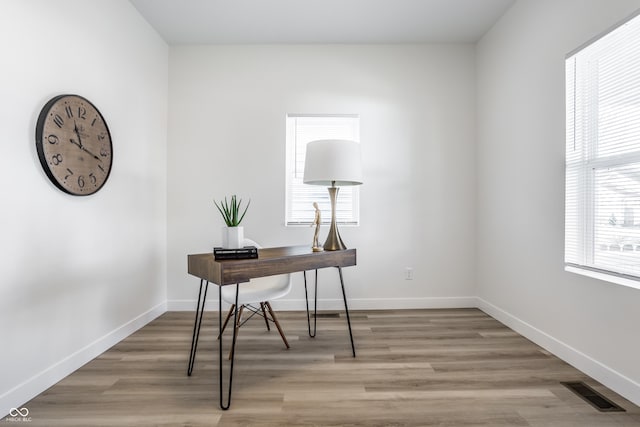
(414, 368)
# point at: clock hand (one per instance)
(93, 155)
(85, 150)
(75, 129)
(79, 143)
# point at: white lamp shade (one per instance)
(333, 161)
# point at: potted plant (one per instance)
(233, 233)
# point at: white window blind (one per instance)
(302, 129)
(602, 205)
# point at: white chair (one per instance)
(257, 291)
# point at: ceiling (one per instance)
(321, 21)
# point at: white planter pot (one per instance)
(232, 237)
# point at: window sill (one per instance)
(323, 225)
(603, 276)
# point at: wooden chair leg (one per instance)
(275, 320)
(237, 328)
(226, 320)
(264, 314)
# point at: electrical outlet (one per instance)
(408, 273)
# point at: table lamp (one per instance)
(334, 163)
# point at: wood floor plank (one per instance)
(448, 367)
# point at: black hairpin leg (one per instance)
(196, 326)
(315, 304)
(346, 309)
(233, 346)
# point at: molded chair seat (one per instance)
(257, 291)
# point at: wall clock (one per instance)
(74, 145)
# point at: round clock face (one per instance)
(74, 145)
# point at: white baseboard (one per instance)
(612, 379)
(17, 396)
(338, 304)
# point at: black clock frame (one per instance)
(40, 149)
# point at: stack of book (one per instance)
(247, 252)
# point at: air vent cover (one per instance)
(592, 397)
(327, 315)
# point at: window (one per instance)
(302, 129)
(602, 201)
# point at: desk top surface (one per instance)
(270, 261)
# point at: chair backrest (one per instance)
(249, 242)
(269, 287)
(280, 284)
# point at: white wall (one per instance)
(520, 243)
(417, 111)
(77, 274)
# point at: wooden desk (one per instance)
(270, 261)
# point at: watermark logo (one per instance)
(18, 415)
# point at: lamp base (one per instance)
(333, 242)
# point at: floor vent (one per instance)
(327, 315)
(592, 397)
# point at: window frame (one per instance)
(346, 195)
(581, 170)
